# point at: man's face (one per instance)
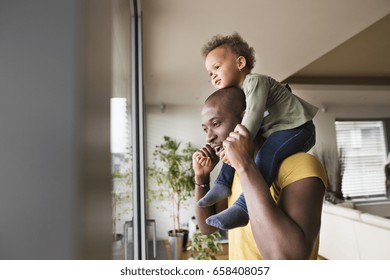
(218, 121)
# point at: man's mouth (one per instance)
(217, 148)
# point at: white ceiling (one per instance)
(325, 42)
(363, 59)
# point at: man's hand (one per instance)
(204, 160)
(238, 147)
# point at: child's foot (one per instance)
(215, 194)
(229, 218)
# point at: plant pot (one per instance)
(185, 233)
(175, 244)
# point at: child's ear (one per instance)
(241, 62)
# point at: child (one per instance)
(271, 109)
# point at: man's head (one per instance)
(221, 112)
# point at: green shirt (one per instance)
(271, 107)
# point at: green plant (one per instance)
(205, 247)
(173, 174)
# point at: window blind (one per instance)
(363, 145)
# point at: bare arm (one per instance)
(290, 227)
(202, 171)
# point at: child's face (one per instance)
(223, 68)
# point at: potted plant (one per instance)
(205, 247)
(173, 175)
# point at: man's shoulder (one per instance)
(301, 160)
(301, 157)
(299, 166)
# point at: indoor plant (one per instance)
(205, 247)
(173, 174)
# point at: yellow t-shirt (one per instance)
(242, 245)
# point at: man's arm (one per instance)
(286, 230)
(202, 171)
(202, 213)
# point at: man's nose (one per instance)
(210, 136)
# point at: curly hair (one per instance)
(235, 43)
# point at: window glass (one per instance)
(363, 147)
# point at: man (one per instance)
(284, 219)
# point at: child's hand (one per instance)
(238, 147)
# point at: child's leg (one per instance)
(221, 189)
(275, 149)
(282, 144)
(232, 217)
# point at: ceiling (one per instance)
(363, 59)
(356, 72)
(294, 43)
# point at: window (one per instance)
(363, 146)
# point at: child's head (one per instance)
(228, 59)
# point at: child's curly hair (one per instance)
(235, 43)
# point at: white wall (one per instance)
(183, 122)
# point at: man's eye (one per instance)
(205, 130)
(216, 124)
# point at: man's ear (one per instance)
(241, 62)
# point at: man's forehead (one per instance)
(211, 111)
